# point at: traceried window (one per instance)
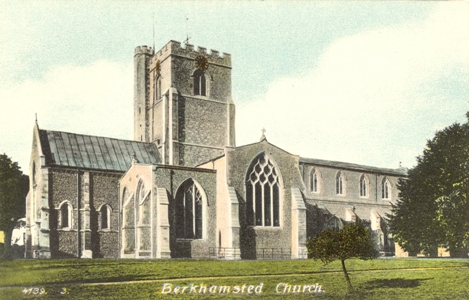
(314, 180)
(339, 183)
(363, 186)
(200, 83)
(65, 215)
(385, 188)
(189, 211)
(262, 193)
(105, 214)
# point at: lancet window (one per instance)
(314, 181)
(65, 215)
(105, 214)
(363, 186)
(339, 183)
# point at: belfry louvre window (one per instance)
(189, 216)
(262, 193)
(200, 83)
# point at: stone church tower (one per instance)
(182, 102)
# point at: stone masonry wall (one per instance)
(171, 179)
(105, 190)
(202, 122)
(63, 184)
(327, 197)
(257, 237)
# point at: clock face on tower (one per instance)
(201, 63)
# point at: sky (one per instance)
(360, 82)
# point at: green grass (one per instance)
(144, 279)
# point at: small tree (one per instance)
(353, 241)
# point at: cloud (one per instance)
(370, 95)
(95, 99)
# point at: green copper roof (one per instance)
(94, 152)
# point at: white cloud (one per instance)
(364, 101)
(96, 99)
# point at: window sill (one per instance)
(265, 227)
(66, 229)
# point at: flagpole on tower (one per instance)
(153, 31)
(187, 31)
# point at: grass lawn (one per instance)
(146, 279)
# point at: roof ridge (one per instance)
(351, 165)
(95, 152)
(98, 136)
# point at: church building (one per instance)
(182, 188)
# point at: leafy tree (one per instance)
(433, 208)
(14, 187)
(353, 241)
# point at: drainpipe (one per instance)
(119, 230)
(376, 193)
(78, 213)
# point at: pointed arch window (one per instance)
(158, 89)
(128, 222)
(314, 180)
(363, 186)
(200, 83)
(189, 211)
(339, 183)
(262, 193)
(105, 214)
(65, 215)
(385, 186)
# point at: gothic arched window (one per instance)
(158, 89)
(339, 184)
(363, 186)
(105, 214)
(200, 83)
(189, 211)
(128, 222)
(314, 180)
(65, 215)
(262, 193)
(385, 188)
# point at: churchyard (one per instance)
(393, 278)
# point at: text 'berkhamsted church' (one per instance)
(182, 188)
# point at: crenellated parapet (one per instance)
(144, 50)
(191, 52)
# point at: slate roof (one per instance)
(94, 152)
(356, 167)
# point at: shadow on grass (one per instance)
(394, 283)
